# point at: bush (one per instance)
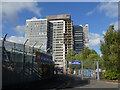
(111, 75)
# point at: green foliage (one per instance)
(93, 57)
(111, 53)
(79, 57)
(85, 55)
(70, 56)
(111, 75)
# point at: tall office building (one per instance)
(61, 28)
(81, 37)
(36, 31)
(86, 35)
(58, 46)
(78, 38)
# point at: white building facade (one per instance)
(36, 31)
(58, 46)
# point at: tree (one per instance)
(70, 56)
(92, 51)
(92, 57)
(85, 52)
(85, 55)
(88, 55)
(79, 57)
(110, 51)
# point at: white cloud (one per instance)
(103, 32)
(110, 9)
(115, 25)
(16, 39)
(95, 39)
(33, 18)
(90, 13)
(10, 10)
(20, 29)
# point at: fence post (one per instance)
(1, 59)
(82, 69)
(98, 70)
(66, 67)
(33, 57)
(24, 58)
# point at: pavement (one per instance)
(67, 82)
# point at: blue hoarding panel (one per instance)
(46, 58)
(76, 62)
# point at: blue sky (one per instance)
(97, 14)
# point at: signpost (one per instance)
(76, 62)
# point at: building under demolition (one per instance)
(56, 35)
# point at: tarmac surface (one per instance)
(68, 82)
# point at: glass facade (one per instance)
(78, 38)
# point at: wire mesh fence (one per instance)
(19, 63)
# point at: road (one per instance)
(68, 82)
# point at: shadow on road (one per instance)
(57, 82)
(74, 81)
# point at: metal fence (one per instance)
(88, 69)
(19, 65)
